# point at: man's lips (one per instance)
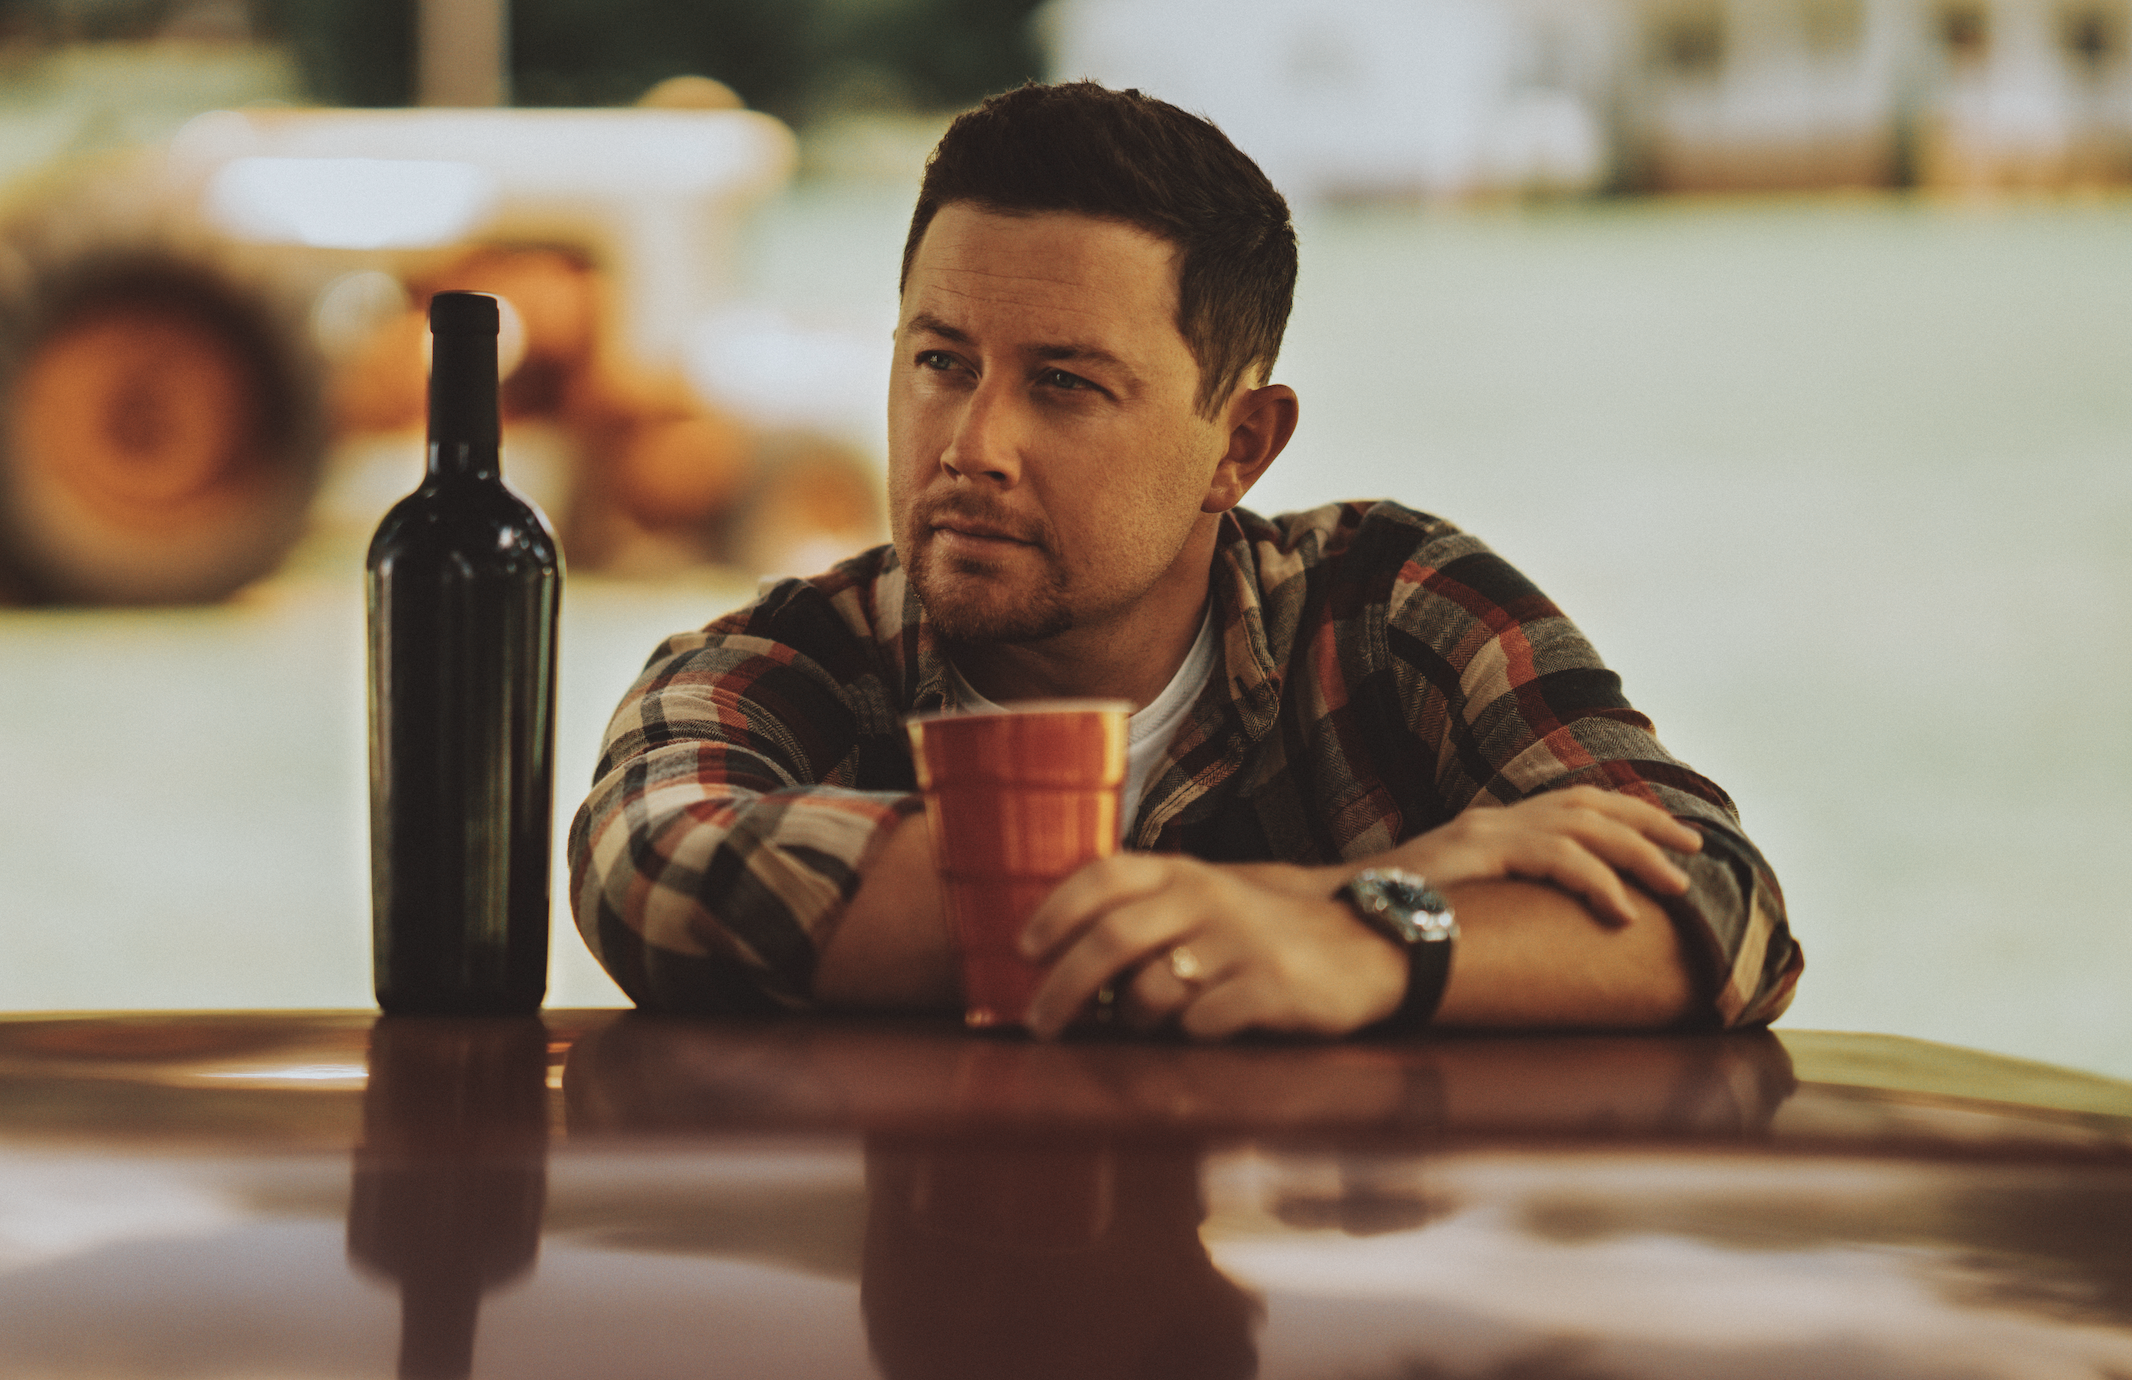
(959, 530)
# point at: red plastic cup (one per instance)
(1018, 799)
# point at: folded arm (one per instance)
(1553, 933)
(724, 836)
(1556, 929)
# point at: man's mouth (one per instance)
(977, 533)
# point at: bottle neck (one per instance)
(464, 435)
(462, 460)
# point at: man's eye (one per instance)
(1059, 378)
(936, 359)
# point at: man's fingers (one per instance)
(1629, 850)
(1641, 815)
(1122, 937)
(1224, 1011)
(1630, 835)
(1088, 893)
(1174, 977)
(1542, 838)
(1252, 1001)
(1653, 823)
(1568, 864)
(1074, 979)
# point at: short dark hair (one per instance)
(1124, 156)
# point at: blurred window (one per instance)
(1690, 41)
(1965, 32)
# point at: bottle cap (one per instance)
(462, 313)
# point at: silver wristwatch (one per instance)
(1405, 909)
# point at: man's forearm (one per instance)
(891, 949)
(1531, 957)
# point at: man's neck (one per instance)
(1131, 658)
(1062, 669)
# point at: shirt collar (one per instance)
(918, 649)
(1251, 672)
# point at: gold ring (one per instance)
(1184, 965)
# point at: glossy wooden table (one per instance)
(599, 1194)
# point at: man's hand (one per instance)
(1272, 951)
(1582, 840)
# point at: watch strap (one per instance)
(1428, 974)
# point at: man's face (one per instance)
(1046, 463)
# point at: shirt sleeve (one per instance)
(724, 833)
(1514, 701)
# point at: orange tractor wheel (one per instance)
(160, 443)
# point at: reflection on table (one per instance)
(607, 1193)
(451, 1175)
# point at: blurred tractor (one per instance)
(162, 437)
(187, 334)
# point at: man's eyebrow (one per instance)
(933, 325)
(1091, 354)
(1064, 352)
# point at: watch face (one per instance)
(1417, 911)
(1408, 895)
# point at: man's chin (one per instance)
(978, 608)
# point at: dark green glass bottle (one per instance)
(464, 585)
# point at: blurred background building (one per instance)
(1451, 98)
(1782, 341)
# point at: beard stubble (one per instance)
(976, 601)
(972, 602)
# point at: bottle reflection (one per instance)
(1037, 1260)
(451, 1176)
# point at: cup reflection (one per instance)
(451, 1175)
(1039, 1259)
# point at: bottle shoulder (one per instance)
(466, 518)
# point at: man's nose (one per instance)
(987, 443)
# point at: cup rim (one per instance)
(1020, 708)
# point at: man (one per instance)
(1094, 290)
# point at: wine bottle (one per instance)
(463, 587)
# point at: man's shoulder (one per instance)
(1368, 565)
(1361, 536)
(860, 597)
(848, 621)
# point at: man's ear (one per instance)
(1260, 421)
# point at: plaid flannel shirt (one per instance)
(1382, 671)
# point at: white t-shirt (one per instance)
(1148, 732)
